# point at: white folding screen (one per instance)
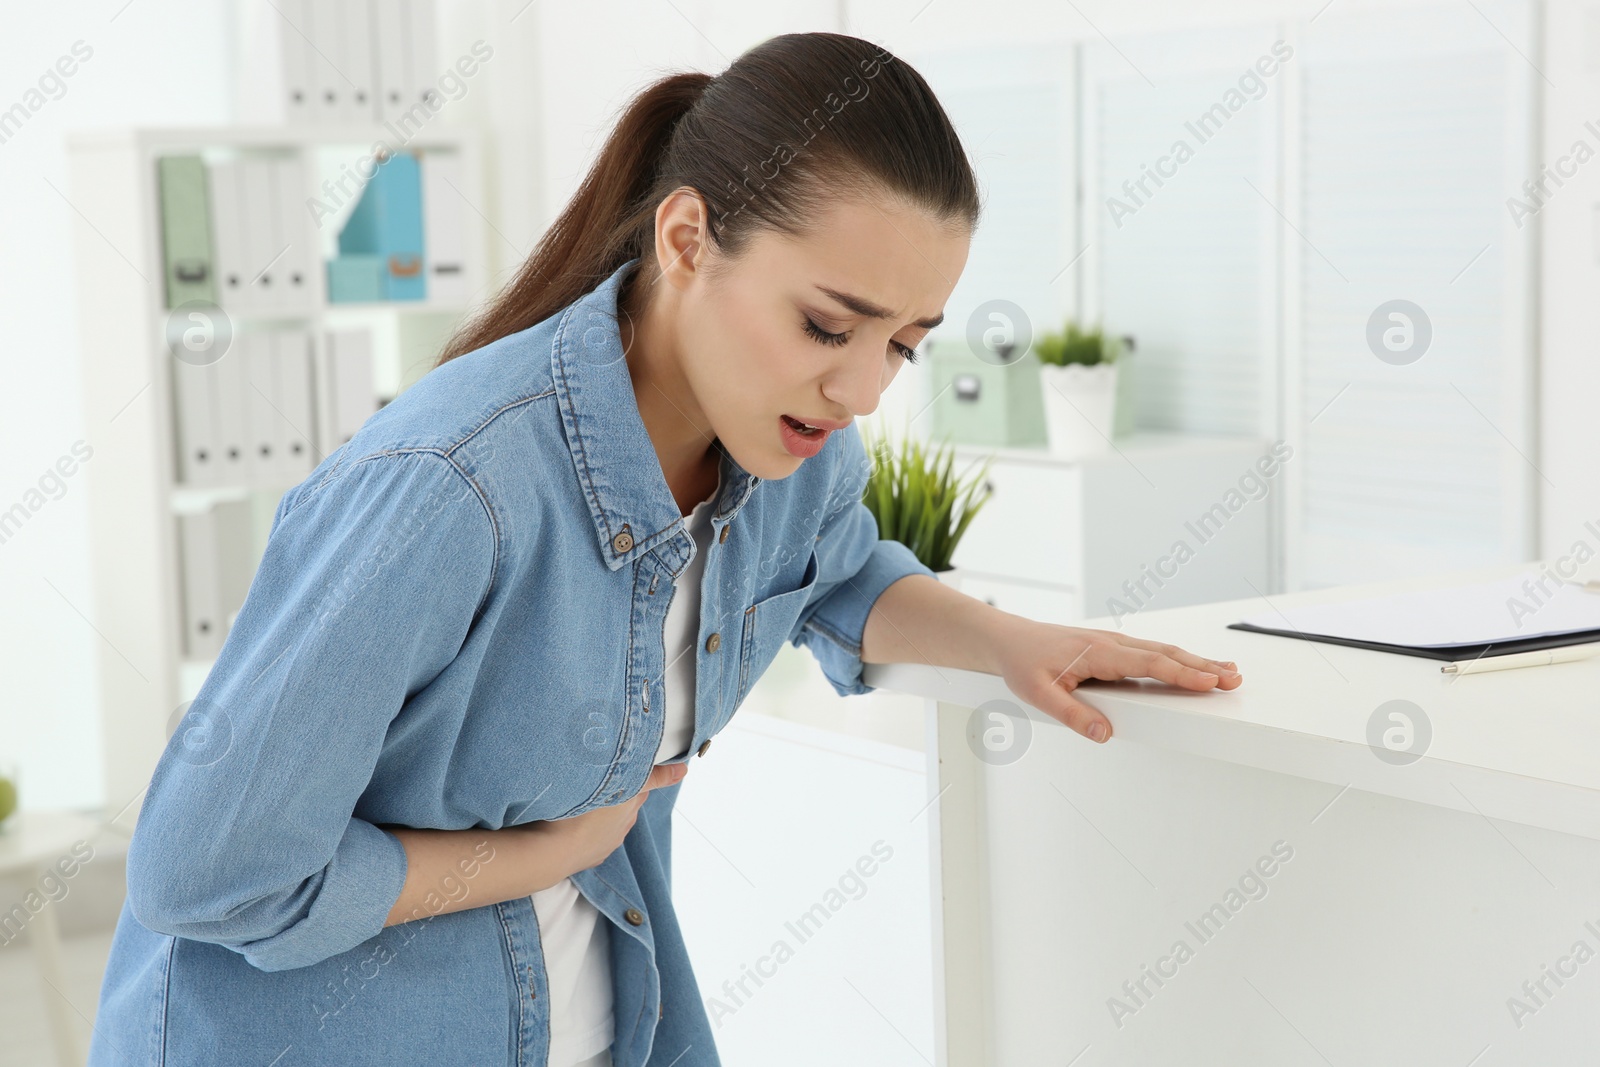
(1181, 136)
(1413, 130)
(1373, 166)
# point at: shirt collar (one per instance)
(627, 493)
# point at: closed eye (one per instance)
(822, 336)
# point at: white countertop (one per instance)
(1522, 745)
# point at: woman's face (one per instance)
(774, 342)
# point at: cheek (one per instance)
(718, 355)
(779, 367)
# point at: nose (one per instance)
(855, 383)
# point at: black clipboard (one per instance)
(1444, 652)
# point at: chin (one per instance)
(770, 466)
(769, 461)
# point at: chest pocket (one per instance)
(766, 626)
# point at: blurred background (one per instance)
(1324, 272)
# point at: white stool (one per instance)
(30, 844)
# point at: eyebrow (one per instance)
(872, 311)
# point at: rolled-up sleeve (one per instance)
(854, 567)
(369, 584)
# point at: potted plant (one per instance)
(920, 501)
(1079, 382)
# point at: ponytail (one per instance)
(795, 123)
(600, 228)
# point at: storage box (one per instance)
(980, 402)
(355, 278)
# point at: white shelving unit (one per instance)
(135, 495)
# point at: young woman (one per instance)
(420, 811)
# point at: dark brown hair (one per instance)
(793, 123)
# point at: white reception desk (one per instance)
(1283, 874)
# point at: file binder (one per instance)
(194, 411)
(294, 56)
(227, 226)
(233, 524)
(424, 64)
(262, 253)
(291, 235)
(231, 388)
(257, 353)
(345, 389)
(278, 406)
(186, 230)
(355, 61)
(387, 222)
(392, 40)
(324, 25)
(263, 250)
(442, 227)
(243, 420)
(202, 599)
(217, 559)
(296, 454)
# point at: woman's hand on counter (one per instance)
(1043, 663)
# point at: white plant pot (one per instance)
(1080, 408)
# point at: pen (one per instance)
(1537, 658)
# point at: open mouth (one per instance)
(805, 429)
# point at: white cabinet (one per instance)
(1163, 521)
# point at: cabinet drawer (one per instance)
(1044, 603)
(1031, 528)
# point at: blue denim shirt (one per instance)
(458, 623)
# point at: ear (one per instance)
(683, 236)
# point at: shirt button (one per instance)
(713, 642)
(634, 916)
(723, 536)
(701, 751)
(623, 541)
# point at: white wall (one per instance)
(153, 62)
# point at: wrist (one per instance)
(994, 633)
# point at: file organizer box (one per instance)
(386, 223)
(981, 403)
(355, 278)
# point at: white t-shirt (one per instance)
(577, 944)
